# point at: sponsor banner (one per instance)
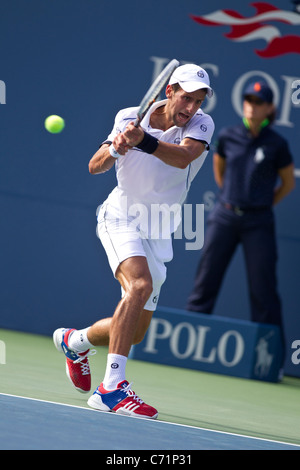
(212, 344)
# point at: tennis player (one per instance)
(155, 164)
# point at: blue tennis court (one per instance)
(30, 424)
(39, 409)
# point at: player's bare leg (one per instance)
(99, 333)
(128, 324)
(130, 321)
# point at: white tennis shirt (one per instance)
(144, 179)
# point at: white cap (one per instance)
(191, 77)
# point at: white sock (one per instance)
(78, 340)
(115, 371)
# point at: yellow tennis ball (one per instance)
(54, 124)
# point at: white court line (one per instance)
(297, 172)
(156, 420)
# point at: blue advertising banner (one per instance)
(212, 344)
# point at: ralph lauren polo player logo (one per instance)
(259, 155)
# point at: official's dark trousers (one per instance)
(255, 231)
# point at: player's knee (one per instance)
(142, 288)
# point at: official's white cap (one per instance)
(191, 77)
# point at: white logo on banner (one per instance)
(264, 358)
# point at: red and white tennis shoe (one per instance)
(77, 363)
(122, 400)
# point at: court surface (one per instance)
(39, 409)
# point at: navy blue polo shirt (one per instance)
(252, 165)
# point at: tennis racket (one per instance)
(155, 90)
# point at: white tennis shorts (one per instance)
(121, 240)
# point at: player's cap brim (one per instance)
(189, 87)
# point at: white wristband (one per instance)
(113, 151)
